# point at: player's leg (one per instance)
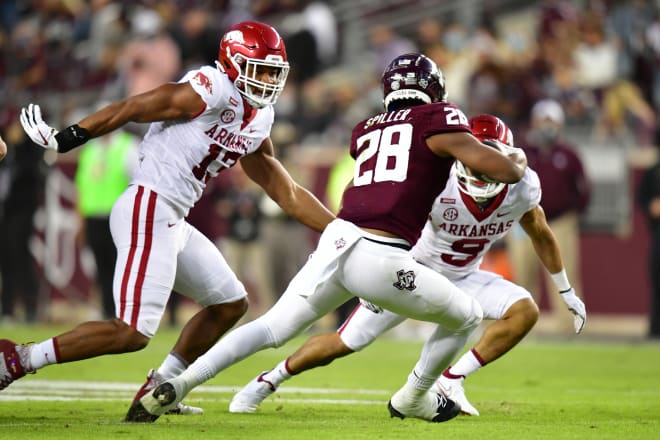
(362, 327)
(514, 313)
(288, 317)
(203, 275)
(395, 281)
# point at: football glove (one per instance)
(41, 133)
(576, 306)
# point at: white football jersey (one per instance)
(458, 233)
(178, 157)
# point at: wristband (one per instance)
(71, 137)
(561, 281)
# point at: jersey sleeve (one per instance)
(205, 81)
(531, 189)
(444, 117)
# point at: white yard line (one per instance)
(63, 391)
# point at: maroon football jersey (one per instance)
(397, 177)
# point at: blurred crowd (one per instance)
(599, 59)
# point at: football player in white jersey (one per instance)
(210, 120)
(467, 218)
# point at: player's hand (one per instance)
(3, 149)
(576, 306)
(41, 133)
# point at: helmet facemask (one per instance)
(258, 93)
(477, 188)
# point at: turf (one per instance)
(572, 389)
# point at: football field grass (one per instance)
(575, 389)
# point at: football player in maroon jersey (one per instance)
(403, 160)
(454, 245)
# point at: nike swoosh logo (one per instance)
(502, 214)
(169, 225)
(42, 137)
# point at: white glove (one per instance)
(41, 133)
(576, 306)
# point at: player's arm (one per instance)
(507, 167)
(166, 102)
(263, 168)
(545, 244)
(543, 239)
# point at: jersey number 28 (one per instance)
(391, 147)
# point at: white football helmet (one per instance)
(484, 127)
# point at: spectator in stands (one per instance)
(151, 58)
(105, 167)
(565, 196)
(25, 186)
(649, 200)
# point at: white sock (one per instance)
(42, 354)
(172, 366)
(417, 385)
(466, 365)
(278, 374)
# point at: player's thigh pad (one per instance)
(146, 256)
(202, 272)
(494, 293)
(389, 277)
(363, 326)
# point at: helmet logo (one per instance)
(396, 85)
(235, 36)
(423, 83)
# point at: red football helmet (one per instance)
(484, 127)
(247, 46)
(412, 76)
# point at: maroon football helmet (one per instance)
(246, 46)
(413, 76)
(484, 127)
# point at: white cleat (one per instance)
(453, 389)
(248, 399)
(432, 407)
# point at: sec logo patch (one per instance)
(450, 214)
(227, 116)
